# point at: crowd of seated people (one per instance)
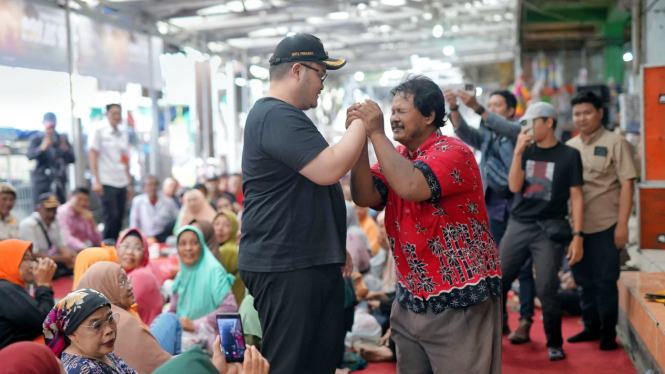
(120, 317)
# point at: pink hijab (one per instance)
(195, 207)
(358, 251)
(149, 299)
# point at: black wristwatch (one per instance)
(455, 109)
(480, 111)
(578, 233)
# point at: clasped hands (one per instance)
(370, 114)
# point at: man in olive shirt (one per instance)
(609, 171)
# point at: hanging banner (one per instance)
(109, 53)
(32, 36)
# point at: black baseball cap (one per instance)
(304, 47)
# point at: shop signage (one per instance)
(32, 36)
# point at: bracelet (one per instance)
(455, 109)
(480, 111)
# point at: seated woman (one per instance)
(21, 315)
(209, 236)
(201, 289)
(29, 358)
(195, 207)
(81, 330)
(134, 257)
(88, 257)
(226, 227)
(135, 343)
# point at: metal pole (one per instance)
(636, 38)
(154, 131)
(77, 136)
(232, 123)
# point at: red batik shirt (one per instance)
(444, 253)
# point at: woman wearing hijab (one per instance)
(202, 287)
(134, 257)
(89, 257)
(29, 358)
(226, 228)
(195, 207)
(209, 236)
(81, 330)
(21, 315)
(135, 344)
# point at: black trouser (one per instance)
(41, 184)
(529, 239)
(302, 318)
(527, 284)
(168, 231)
(597, 274)
(113, 207)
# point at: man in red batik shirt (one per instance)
(448, 313)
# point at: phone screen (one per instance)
(232, 336)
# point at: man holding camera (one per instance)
(496, 138)
(52, 153)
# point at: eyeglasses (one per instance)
(126, 283)
(323, 78)
(125, 247)
(98, 326)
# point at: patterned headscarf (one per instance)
(68, 314)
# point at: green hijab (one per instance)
(202, 287)
(194, 360)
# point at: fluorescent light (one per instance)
(253, 4)
(479, 91)
(217, 9)
(359, 76)
(467, 5)
(497, 17)
(508, 16)
(394, 2)
(454, 28)
(362, 6)
(242, 82)
(427, 16)
(437, 31)
(235, 6)
(259, 72)
(339, 15)
(385, 28)
(162, 27)
(628, 56)
(384, 81)
(449, 50)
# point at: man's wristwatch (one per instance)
(578, 233)
(480, 111)
(455, 109)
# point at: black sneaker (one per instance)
(585, 336)
(607, 344)
(555, 354)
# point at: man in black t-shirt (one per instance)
(543, 176)
(294, 223)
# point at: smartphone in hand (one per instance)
(232, 336)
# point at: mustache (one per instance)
(396, 124)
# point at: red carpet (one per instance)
(582, 358)
(62, 286)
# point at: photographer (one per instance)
(52, 153)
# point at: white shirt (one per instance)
(30, 231)
(9, 227)
(111, 144)
(151, 219)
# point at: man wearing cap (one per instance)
(8, 220)
(43, 229)
(52, 153)
(294, 224)
(609, 174)
(544, 175)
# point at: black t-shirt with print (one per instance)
(549, 173)
(289, 222)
